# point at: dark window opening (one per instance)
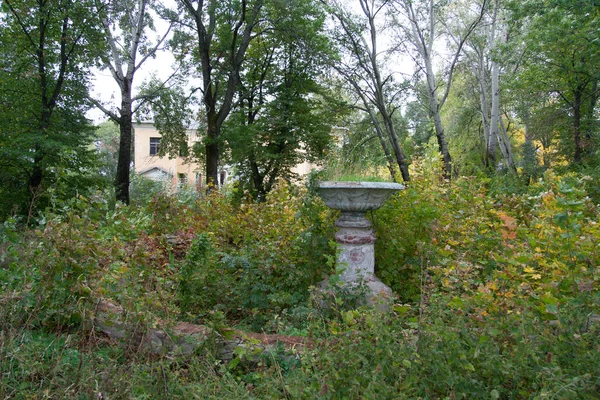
(182, 180)
(154, 144)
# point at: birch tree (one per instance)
(421, 25)
(482, 52)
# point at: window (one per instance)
(182, 180)
(154, 142)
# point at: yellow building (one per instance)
(177, 171)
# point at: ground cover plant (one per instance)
(497, 296)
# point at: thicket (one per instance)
(497, 295)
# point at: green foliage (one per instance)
(257, 261)
(200, 282)
(497, 286)
(54, 291)
(558, 66)
(462, 120)
(144, 190)
(399, 256)
(168, 109)
(44, 135)
(285, 112)
(107, 146)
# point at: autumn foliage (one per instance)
(497, 294)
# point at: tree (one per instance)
(483, 54)
(215, 35)
(561, 58)
(283, 114)
(419, 23)
(44, 135)
(360, 66)
(127, 24)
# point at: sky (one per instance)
(106, 90)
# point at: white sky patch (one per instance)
(105, 88)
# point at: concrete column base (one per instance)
(356, 260)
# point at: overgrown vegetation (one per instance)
(497, 296)
(492, 249)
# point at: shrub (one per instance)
(258, 260)
(499, 296)
(403, 226)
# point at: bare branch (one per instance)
(105, 110)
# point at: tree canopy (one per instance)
(46, 52)
(502, 85)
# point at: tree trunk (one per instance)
(483, 101)
(401, 159)
(381, 99)
(434, 113)
(380, 135)
(124, 160)
(577, 126)
(441, 138)
(388, 155)
(423, 38)
(212, 154)
(506, 148)
(35, 179)
(124, 157)
(257, 179)
(493, 136)
(37, 173)
(213, 70)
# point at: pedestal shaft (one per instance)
(356, 240)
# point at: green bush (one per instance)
(404, 228)
(498, 294)
(258, 260)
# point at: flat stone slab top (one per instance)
(356, 196)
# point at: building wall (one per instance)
(155, 167)
(304, 169)
(151, 165)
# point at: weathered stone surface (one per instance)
(109, 319)
(379, 294)
(355, 238)
(357, 196)
(357, 261)
(184, 338)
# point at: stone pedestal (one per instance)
(356, 241)
(355, 237)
